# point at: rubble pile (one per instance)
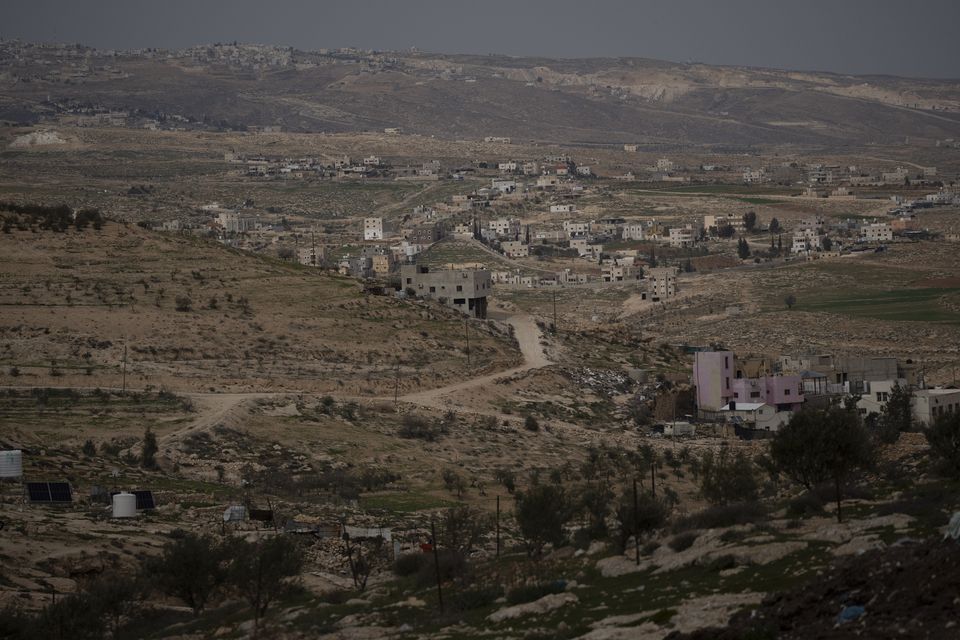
(603, 381)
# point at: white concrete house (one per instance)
(373, 228)
(634, 231)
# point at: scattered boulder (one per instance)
(543, 605)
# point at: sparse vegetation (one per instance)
(944, 439)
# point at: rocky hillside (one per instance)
(602, 101)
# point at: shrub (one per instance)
(541, 514)
(531, 592)
(476, 598)
(373, 478)
(651, 514)
(454, 482)
(192, 568)
(111, 449)
(923, 502)
(462, 528)
(418, 428)
(452, 565)
(409, 564)
(649, 548)
(682, 541)
(804, 506)
(89, 449)
(260, 571)
(183, 303)
(148, 458)
(722, 563)
(507, 478)
(720, 517)
(944, 439)
(726, 476)
(530, 423)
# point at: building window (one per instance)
(409, 280)
(726, 362)
(728, 383)
(459, 287)
(433, 289)
(786, 392)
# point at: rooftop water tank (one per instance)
(11, 464)
(124, 505)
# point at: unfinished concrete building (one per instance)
(465, 290)
(663, 283)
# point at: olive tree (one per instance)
(541, 512)
(821, 445)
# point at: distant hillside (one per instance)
(602, 101)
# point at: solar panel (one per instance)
(261, 515)
(49, 492)
(145, 500)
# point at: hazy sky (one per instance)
(915, 38)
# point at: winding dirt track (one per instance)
(528, 337)
(213, 409)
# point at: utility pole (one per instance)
(554, 311)
(498, 526)
(636, 521)
(466, 329)
(653, 478)
(436, 561)
(124, 383)
(396, 383)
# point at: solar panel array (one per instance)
(49, 492)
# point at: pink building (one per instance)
(783, 392)
(713, 377)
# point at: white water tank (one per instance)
(11, 464)
(235, 513)
(124, 505)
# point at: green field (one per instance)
(914, 305)
(758, 200)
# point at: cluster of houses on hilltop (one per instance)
(762, 394)
(343, 168)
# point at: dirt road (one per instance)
(213, 409)
(528, 337)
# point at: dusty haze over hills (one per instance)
(856, 36)
(573, 101)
